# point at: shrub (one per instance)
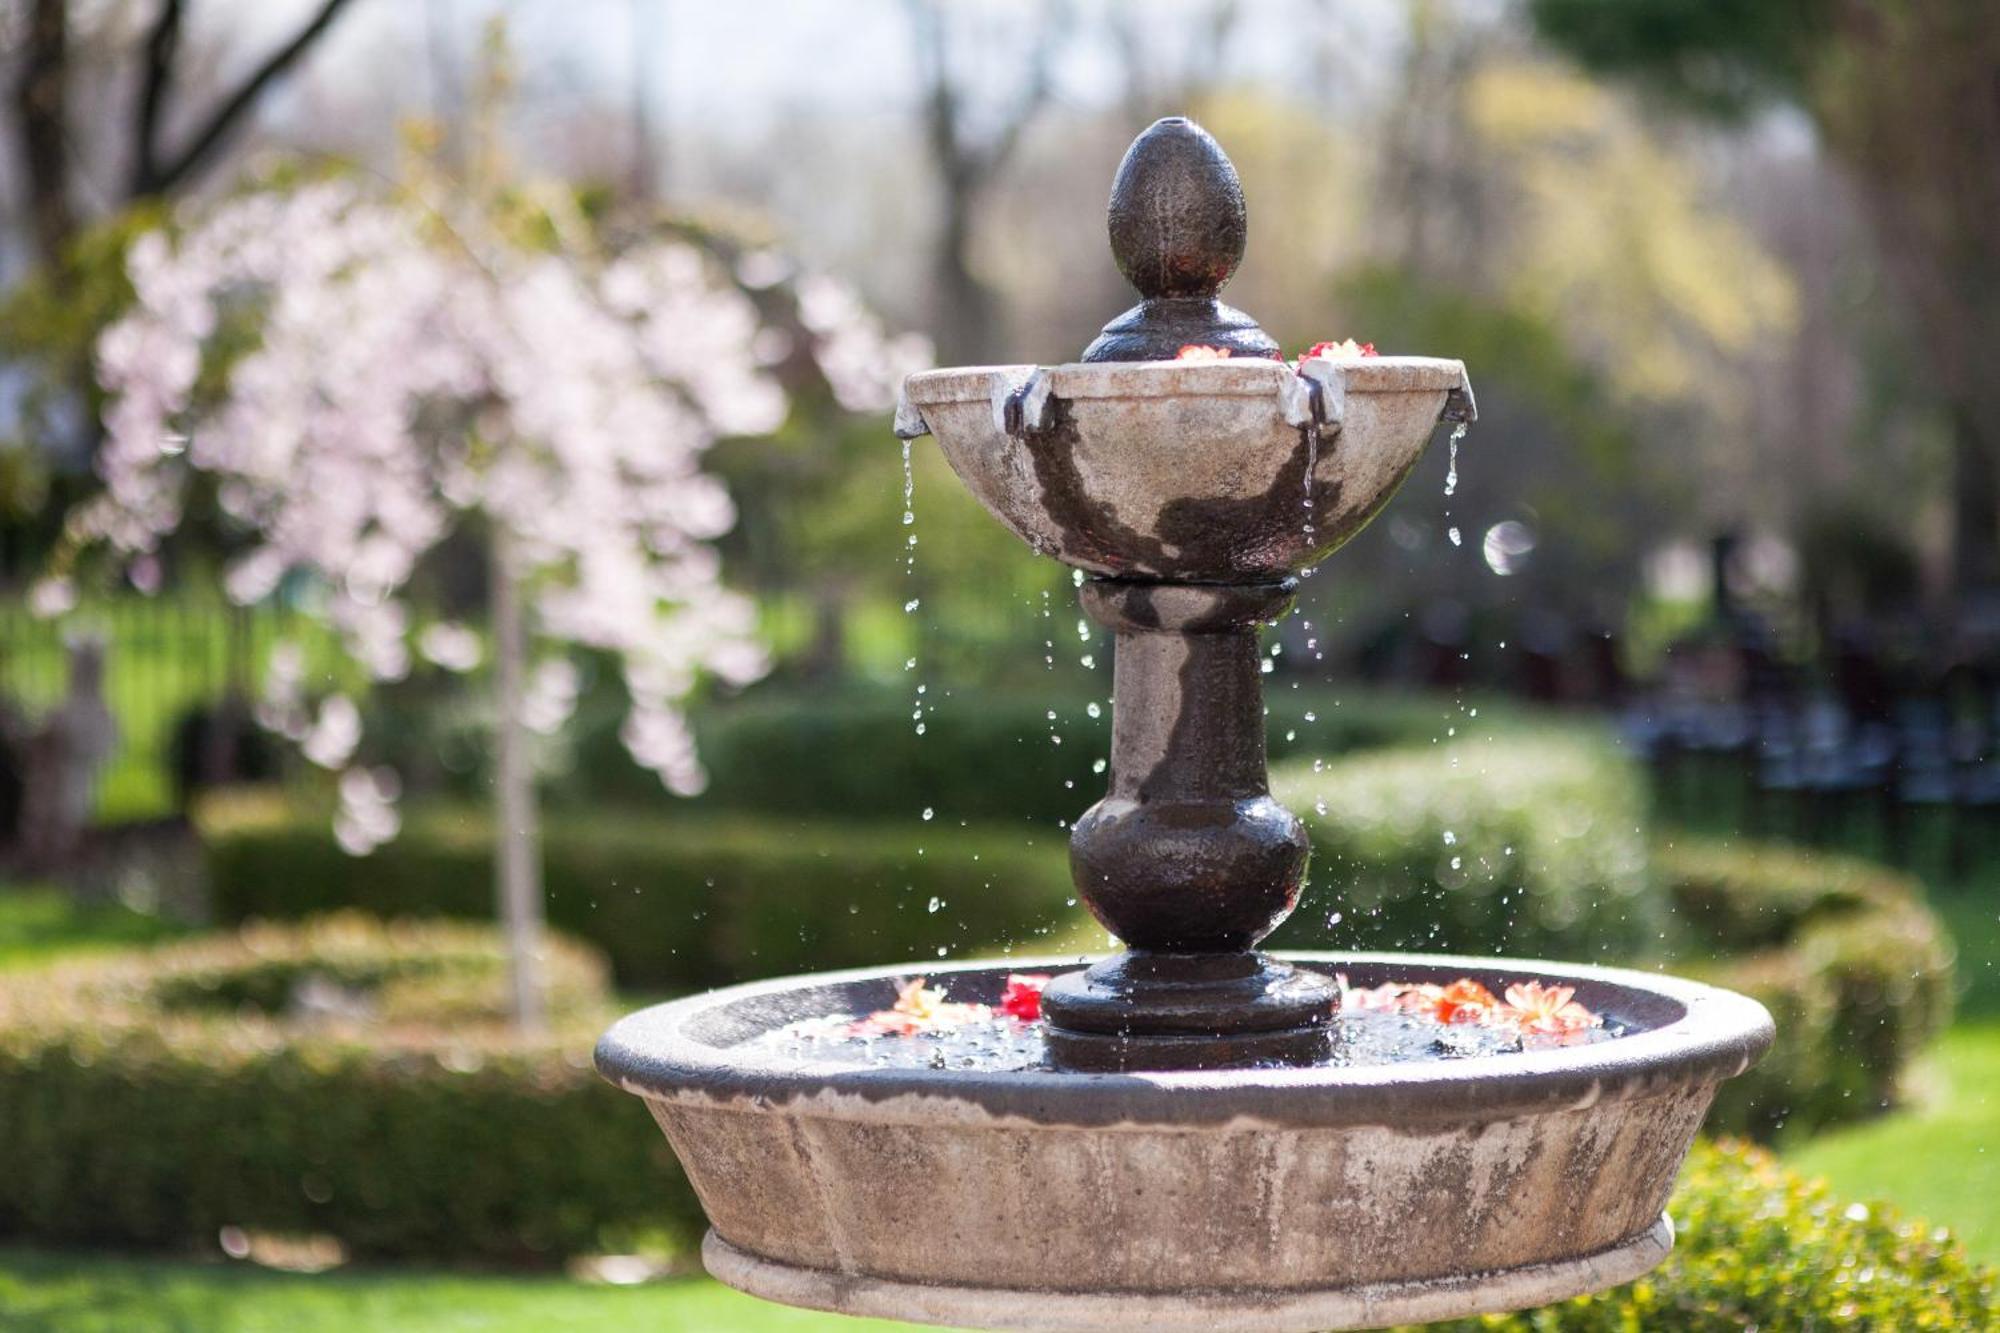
(982, 755)
(1854, 968)
(1759, 1247)
(676, 903)
(1532, 845)
(339, 1078)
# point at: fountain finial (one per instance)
(1177, 231)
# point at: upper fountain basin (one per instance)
(1233, 471)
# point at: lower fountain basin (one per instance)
(1320, 1198)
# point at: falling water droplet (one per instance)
(1312, 466)
(1453, 534)
(1451, 466)
(1093, 709)
(929, 813)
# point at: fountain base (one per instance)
(1373, 1305)
(1250, 1198)
(1161, 1011)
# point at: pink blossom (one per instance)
(402, 386)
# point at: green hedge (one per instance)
(153, 1098)
(676, 903)
(1535, 846)
(1532, 845)
(983, 755)
(1761, 1248)
(1854, 968)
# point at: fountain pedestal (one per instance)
(1187, 859)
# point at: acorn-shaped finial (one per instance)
(1177, 231)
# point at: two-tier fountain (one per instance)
(1185, 1140)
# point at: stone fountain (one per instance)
(1189, 1154)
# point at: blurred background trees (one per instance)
(1900, 95)
(1724, 277)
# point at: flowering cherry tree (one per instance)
(363, 375)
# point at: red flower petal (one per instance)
(1023, 997)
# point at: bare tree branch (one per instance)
(234, 108)
(162, 52)
(1050, 32)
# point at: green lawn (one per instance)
(62, 1293)
(1940, 1159)
(1972, 914)
(163, 656)
(37, 924)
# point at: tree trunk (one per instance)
(965, 321)
(41, 108)
(517, 854)
(1914, 112)
(1975, 534)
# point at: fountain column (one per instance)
(1187, 859)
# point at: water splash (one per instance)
(909, 510)
(1451, 465)
(1311, 430)
(910, 571)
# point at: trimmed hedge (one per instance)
(676, 903)
(983, 754)
(1533, 846)
(1854, 968)
(152, 1098)
(1760, 1247)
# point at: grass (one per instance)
(37, 924)
(1940, 1158)
(63, 1293)
(1972, 915)
(163, 656)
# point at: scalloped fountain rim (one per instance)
(1232, 377)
